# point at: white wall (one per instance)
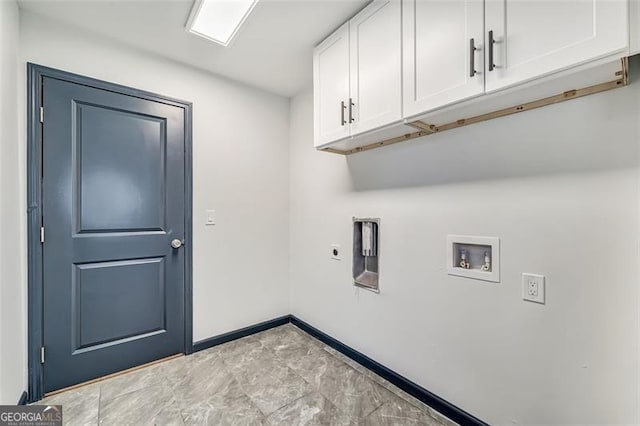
(240, 156)
(12, 273)
(558, 186)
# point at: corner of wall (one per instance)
(13, 368)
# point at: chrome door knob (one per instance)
(176, 244)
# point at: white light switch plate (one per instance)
(533, 288)
(210, 217)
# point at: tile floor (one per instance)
(278, 377)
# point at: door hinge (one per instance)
(42, 234)
(42, 114)
(42, 355)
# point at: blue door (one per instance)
(114, 221)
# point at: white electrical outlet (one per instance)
(336, 252)
(533, 288)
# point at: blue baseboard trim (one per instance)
(237, 334)
(444, 407)
(23, 398)
(432, 400)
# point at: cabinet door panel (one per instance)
(437, 52)
(331, 87)
(376, 77)
(634, 43)
(538, 37)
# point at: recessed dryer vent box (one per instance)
(366, 253)
(474, 257)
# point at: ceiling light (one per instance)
(219, 20)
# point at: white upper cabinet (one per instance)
(400, 66)
(635, 27)
(533, 38)
(376, 66)
(331, 87)
(357, 74)
(443, 42)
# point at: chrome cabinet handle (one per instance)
(492, 41)
(176, 244)
(472, 58)
(342, 108)
(351, 105)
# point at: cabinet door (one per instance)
(635, 27)
(438, 52)
(537, 37)
(331, 87)
(376, 66)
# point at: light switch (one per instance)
(210, 217)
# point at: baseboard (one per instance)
(23, 398)
(237, 334)
(444, 407)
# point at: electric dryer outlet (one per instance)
(336, 252)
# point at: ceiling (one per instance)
(272, 51)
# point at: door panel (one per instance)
(103, 316)
(634, 20)
(117, 190)
(113, 199)
(538, 37)
(331, 87)
(437, 52)
(376, 65)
